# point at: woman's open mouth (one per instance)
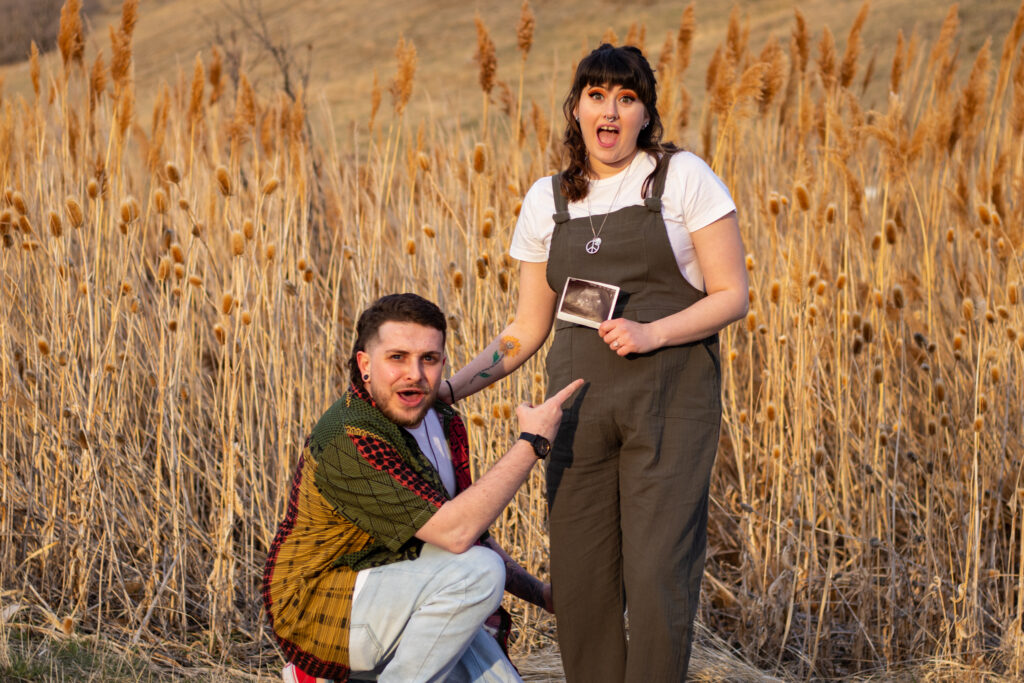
(607, 136)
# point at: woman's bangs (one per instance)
(608, 68)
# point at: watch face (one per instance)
(541, 446)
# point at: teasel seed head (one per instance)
(878, 374)
(486, 228)
(219, 334)
(950, 236)
(173, 172)
(503, 280)
(133, 304)
(172, 325)
(308, 275)
(428, 231)
(479, 157)
(126, 288)
(857, 345)
(160, 201)
(932, 428)
(457, 280)
(18, 202)
(1011, 334)
(248, 229)
(958, 342)
(74, 211)
(774, 206)
(410, 247)
(979, 423)
(967, 309)
(423, 160)
(198, 228)
(841, 281)
(129, 209)
(743, 417)
(246, 317)
(775, 292)
(898, 300)
(990, 317)
(750, 263)
(56, 228)
(812, 311)
(477, 420)
(830, 213)
(994, 374)
(176, 253)
(751, 321)
(92, 188)
(237, 243)
(481, 268)
(195, 281)
(776, 452)
(879, 298)
(770, 412)
(62, 358)
(1013, 294)
(890, 231)
(984, 215)
(43, 346)
(184, 205)
(939, 389)
(867, 331)
(227, 302)
(1003, 312)
(876, 242)
(270, 186)
(803, 199)
(223, 181)
(270, 251)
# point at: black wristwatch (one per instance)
(541, 446)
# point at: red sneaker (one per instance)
(293, 674)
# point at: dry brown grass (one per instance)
(180, 281)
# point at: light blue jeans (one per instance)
(421, 620)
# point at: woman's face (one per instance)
(611, 118)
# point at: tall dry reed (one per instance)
(180, 291)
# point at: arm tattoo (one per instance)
(507, 347)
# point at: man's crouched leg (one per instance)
(421, 620)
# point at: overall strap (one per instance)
(654, 201)
(561, 214)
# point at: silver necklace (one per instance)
(594, 245)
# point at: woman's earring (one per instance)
(645, 125)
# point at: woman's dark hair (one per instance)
(624, 66)
(402, 308)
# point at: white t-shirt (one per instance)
(694, 197)
(430, 438)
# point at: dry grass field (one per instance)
(185, 247)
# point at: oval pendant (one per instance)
(593, 245)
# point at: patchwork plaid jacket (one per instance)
(361, 491)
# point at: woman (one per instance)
(629, 473)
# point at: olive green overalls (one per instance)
(629, 472)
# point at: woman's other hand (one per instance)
(627, 336)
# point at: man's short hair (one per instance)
(402, 308)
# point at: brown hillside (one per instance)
(353, 39)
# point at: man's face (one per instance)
(404, 363)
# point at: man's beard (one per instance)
(402, 420)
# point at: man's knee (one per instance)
(484, 573)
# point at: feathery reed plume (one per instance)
(609, 36)
(525, 27)
(774, 59)
(896, 74)
(801, 41)
(223, 180)
(848, 65)
(216, 75)
(195, 104)
(684, 38)
(97, 80)
(485, 56)
(401, 86)
(33, 67)
(69, 38)
(827, 60)
(942, 60)
(975, 92)
(375, 98)
(121, 59)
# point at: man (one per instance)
(382, 567)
